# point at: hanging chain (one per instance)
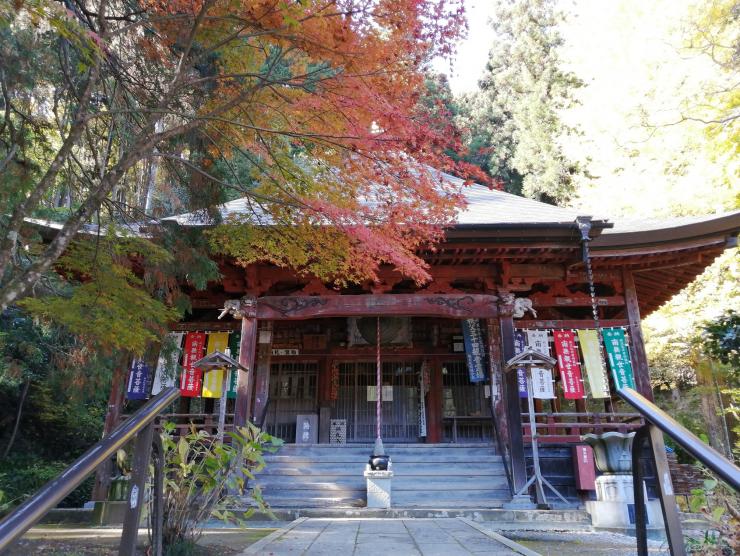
(584, 225)
(378, 378)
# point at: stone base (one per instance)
(621, 515)
(615, 504)
(109, 512)
(520, 502)
(378, 488)
(615, 488)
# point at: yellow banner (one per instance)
(213, 380)
(594, 363)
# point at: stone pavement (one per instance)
(385, 537)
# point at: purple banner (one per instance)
(138, 381)
(521, 372)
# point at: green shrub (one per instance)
(201, 472)
(21, 477)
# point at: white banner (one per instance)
(166, 372)
(542, 383)
(537, 340)
(422, 401)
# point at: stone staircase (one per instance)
(439, 477)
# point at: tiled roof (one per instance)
(484, 207)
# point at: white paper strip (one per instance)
(166, 372)
(538, 341)
(542, 384)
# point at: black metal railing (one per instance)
(140, 428)
(657, 420)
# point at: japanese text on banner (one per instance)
(191, 377)
(615, 343)
(474, 350)
(542, 382)
(137, 380)
(569, 364)
(521, 372)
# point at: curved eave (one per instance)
(665, 259)
(524, 232)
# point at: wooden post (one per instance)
(637, 341)
(262, 369)
(112, 415)
(496, 376)
(513, 406)
(247, 343)
(434, 403)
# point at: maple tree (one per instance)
(308, 109)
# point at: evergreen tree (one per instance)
(512, 121)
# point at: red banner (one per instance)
(334, 381)
(191, 378)
(569, 364)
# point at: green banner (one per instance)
(619, 358)
(234, 339)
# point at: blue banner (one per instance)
(138, 381)
(475, 352)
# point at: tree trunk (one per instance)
(710, 408)
(112, 416)
(19, 413)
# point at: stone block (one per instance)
(378, 488)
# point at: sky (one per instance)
(628, 53)
(472, 52)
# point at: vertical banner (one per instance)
(619, 357)
(423, 389)
(594, 363)
(164, 376)
(334, 381)
(542, 382)
(234, 340)
(569, 364)
(538, 340)
(213, 379)
(521, 372)
(474, 349)
(191, 377)
(138, 377)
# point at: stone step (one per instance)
(342, 470)
(425, 476)
(395, 458)
(408, 482)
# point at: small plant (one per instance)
(202, 475)
(720, 506)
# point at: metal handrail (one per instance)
(650, 435)
(729, 472)
(32, 510)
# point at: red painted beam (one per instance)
(419, 304)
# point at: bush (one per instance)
(21, 477)
(200, 473)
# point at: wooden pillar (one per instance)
(496, 378)
(637, 341)
(513, 405)
(112, 416)
(247, 343)
(262, 370)
(434, 403)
